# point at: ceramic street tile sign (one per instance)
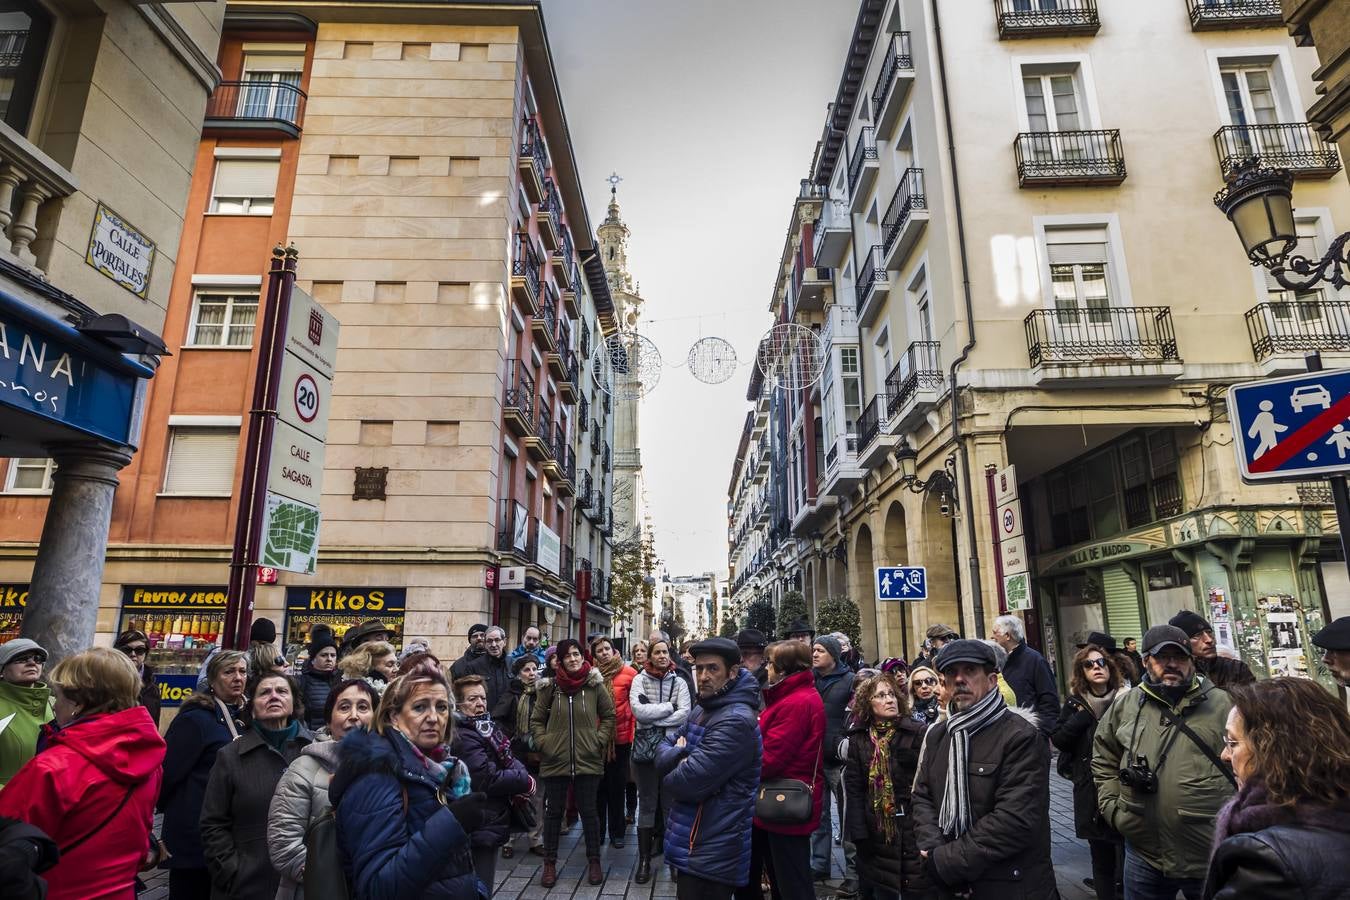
(120, 251)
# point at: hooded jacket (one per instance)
(494, 772)
(894, 865)
(573, 732)
(71, 791)
(792, 728)
(711, 782)
(194, 738)
(234, 815)
(835, 688)
(624, 723)
(301, 797)
(1006, 853)
(391, 851)
(1172, 829)
(23, 712)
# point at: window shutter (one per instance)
(201, 461)
(246, 177)
(273, 62)
(1121, 599)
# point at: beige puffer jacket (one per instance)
(301, 797)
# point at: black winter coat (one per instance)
(1006, 853)
(150, 693)
(314, 690)
(835, 690)
(494, 671)
(234, 816)
(1225, 672)
(896, 865)
(459, 668)
(1029, 675)
(1274, 853)
(1072, 736)
(504, 710)
(194, 738)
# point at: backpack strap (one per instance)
(1169, 719)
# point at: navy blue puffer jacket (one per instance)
(712, 782)
(390, 855)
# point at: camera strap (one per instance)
(1169, 719)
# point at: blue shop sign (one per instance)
(174, 689)
(47, 377)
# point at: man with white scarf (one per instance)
(982, 795)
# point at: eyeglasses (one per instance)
(1231, 743)
(927, 682)
(136, 650)
(27, 658)
(1094, 664)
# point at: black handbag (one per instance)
(646, 743)
(786, 801)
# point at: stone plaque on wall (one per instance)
(370, 483)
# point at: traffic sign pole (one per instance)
(989, 472)
(1340, 491)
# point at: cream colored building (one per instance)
(1012, 257)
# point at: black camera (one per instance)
(1139, 776)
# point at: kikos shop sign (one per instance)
(347, 600)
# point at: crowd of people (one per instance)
(374, 774)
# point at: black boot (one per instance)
(644, 869)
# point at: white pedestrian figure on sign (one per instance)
(1265, 427)
(1340, 439)
(886, 585)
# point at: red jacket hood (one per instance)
(124, 745)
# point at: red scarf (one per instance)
(656, 673)
(568, 683)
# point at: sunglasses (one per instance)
(27, 658)
(1094, 664)
(926, 681)
(136, 650)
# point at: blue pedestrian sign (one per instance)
(902, 583)
(1292, 427)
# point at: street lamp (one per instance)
(941, 482)
(1259, 201)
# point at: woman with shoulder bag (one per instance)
(619, 682)
(792, 726)
(881, 759)
(527, 671)
(659, 698)
(302, 794)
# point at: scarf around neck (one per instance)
(1098, 705)
(609, 669)
(277, 739)
(658, 674)
(954, 818)
(568, 683)
(1251, 810)
(882, 791)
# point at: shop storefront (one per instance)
(341, 608)
(13, 598)
(183, 623)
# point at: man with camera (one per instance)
(1160, 779)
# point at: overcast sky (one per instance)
(710, 111)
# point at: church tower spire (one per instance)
(613, 235)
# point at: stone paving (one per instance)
(518, 878)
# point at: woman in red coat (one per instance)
(93, 789)
(614, 783)
(793, 729)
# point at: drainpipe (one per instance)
(971, 536)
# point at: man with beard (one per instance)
(1222, 672)
(1160, 779)
(459, 668)
(982, 794)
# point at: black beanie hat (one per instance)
(1189, 622)
(263, 631)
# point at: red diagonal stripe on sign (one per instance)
(1303, 438)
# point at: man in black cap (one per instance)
(1159, 774)
(799, 630)
(982, 796)
(1335, 643)
(752, 642)
(1220, 670)
(460, 667)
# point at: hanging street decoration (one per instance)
(791, 357)
(626, 365)
(712, 360)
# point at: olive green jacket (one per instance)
(573, 733)
(1173, 829)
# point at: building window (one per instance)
(1053, 100)
(30, 475)
(223, 317)
(852, 385)
(245, 186)
(1127, 485)
(1080, 274)
(24, 31)
(201, 460)
(271, 85)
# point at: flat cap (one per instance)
(751, 639)
(1335, 636)
(718, 646)
(1160, 636)
(966, 650)
(941, 632)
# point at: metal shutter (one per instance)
(201, 461)
(1121, 600)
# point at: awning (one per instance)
(600, 610)
(545, 601)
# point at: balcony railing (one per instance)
(595, 437)
(519, 394)
(551, 205)
(897, 58)
(1294, 146)
(908, 197)
(872, 273)
(532, 145)
(1070, 157)
(32, 195)
(1101, 335)
(550, 313)
(869, 423)
(863, 150)
(850, 444)
(919, 368)
(1214, 14)
(253, 105)
(1298, 326)
(605, 459)
(524, 262)
(1314, 493)
(519, 532)
(544, 427)
(1037, 18)
(567, 566)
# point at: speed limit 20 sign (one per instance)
(302, 401)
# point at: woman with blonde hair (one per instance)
(93, 789)
(924, 689)
(405, 813)
(1286, 833)
(376, 661)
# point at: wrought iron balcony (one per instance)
(896, 61)
(524, 271)
(1046, 18)
(1294, 146)
(873, 280)
(863, 151)
(905, 218)
(1101, 335)
(255, 107)
(1294, 326)
(545, 323)
(518, 398)
(869, 423)
(550, 217)
(919, 370)
(544, 428)
(595, 437)
(1209, 15)
(1069, 157)
(533, 160)
(1315, 493)
(566, 569)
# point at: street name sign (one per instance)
(1293, 427)
(902, 583)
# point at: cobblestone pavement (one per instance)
(518, 878)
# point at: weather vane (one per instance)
(614, 179)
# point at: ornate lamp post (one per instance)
(941, 482)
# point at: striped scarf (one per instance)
(954, 817)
